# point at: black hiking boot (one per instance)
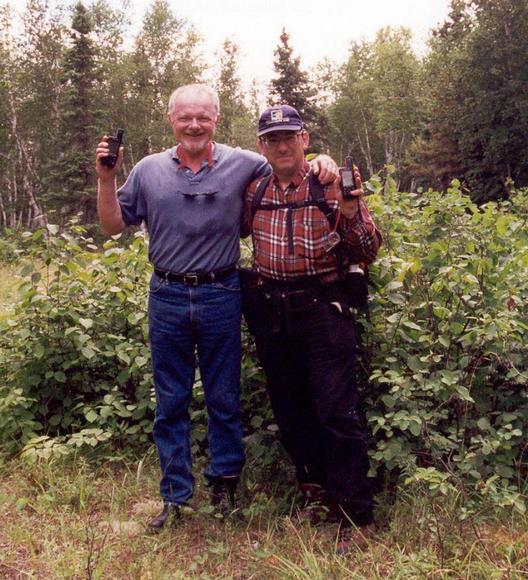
(316, 506)
(223, 494)
(170, 514)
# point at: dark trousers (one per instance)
(308, 351)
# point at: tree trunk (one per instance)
(25, 165)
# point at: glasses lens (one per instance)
(275, 140)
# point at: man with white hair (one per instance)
(190, 197)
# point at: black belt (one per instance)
(297, 284)
(195, 278)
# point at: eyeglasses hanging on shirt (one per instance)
(199, 193)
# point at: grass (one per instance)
(85, 518)
(80, 519)
(8, 282)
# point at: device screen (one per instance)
(347, 178)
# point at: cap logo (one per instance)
(276, 116)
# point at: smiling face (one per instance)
(193, 118)
(285, 151)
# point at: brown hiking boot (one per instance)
(351, 537)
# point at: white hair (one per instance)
(195, 88)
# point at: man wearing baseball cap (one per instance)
(303, 323)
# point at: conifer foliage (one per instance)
(293, 86)
(70, 74)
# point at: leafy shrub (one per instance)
(443, 348)
(74, 354)
(447, 339)
(9, 248)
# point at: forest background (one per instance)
(442, 141)
(460, 112)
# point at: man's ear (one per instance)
(305, 139)
(260, 147)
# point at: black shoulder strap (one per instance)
(259, 194)
(318, 195)
(315, 188)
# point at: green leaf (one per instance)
(55, 420)
(123, 356)
(87, 352)
(394, 285)
(412, 325)
(389, 401)
(414, 364)
(106, 412)
(91, 416)
(502, 224)
(39, 351)
(484, 424)
(415, 428)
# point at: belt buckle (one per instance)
(191, 279)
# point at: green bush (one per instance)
(447, 340)
(444, 356)
(74, 355)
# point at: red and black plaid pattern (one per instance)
(282, 256)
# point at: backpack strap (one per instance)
(316, 189)
(259, 194)
(318, 194)
(256, 204)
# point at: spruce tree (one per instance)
(237, 126)
(71, 178)
(292, 86)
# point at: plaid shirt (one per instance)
(286, 255)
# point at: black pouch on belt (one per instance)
(356, 285)
(250, 295)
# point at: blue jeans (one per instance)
(184, 320)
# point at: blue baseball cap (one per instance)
(280, 118)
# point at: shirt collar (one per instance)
(178, 154)
(298, 178)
